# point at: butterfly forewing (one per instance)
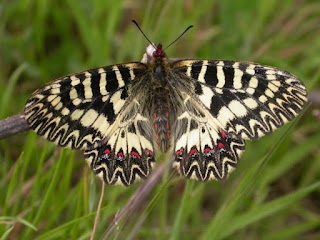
(247, 99)
(77, 111)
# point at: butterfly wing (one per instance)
(249, 100)
(128, 153)
(203, 149)
(93, 111)
(76, 111)
(226, 103)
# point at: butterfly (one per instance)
(200, 112)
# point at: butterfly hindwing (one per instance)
(127, 153)
(203, 150)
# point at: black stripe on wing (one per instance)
(76, 110)
(248, 99)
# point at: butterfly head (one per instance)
(153, 52)
(159, 52)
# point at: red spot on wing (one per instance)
(107, 151)
(223, 135)
(149, 152)
(135, 154)
(207, 150)
(193, 152)
(221, 146)
(106, 154)
(180, 151)
(120, 155)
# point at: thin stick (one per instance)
(137, 198)
(96, 220)
(13, 125)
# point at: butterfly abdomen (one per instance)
(161, 103)
(161, 118)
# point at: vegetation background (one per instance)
(49, 193)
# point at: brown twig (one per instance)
(13, 125)
(136, 199)
(314, 97)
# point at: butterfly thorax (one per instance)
(160, 100)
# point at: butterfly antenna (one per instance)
(134, 21)
(191, 26)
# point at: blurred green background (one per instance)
(49, 193)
